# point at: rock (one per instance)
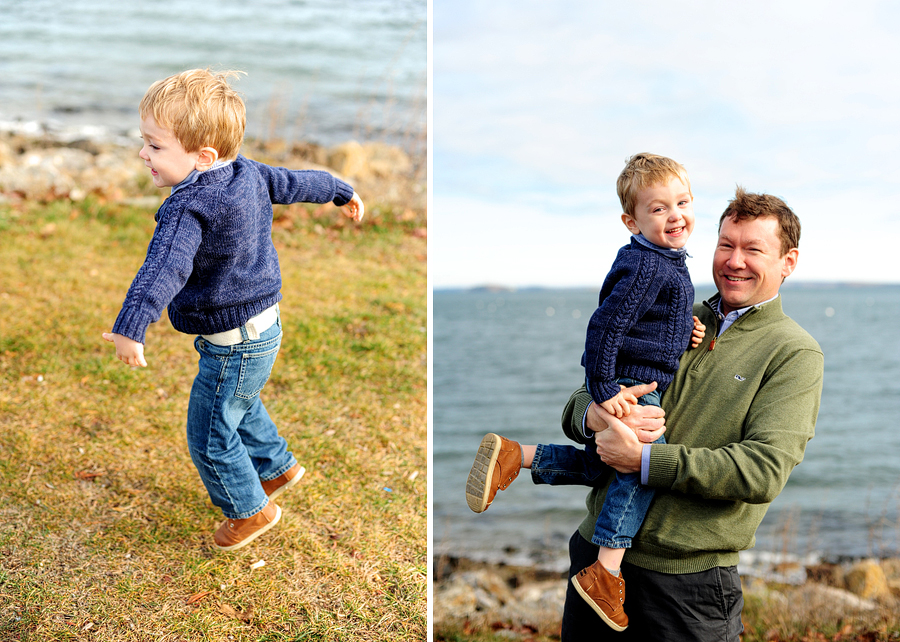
(349, 159)
(817, 598)
(867, 580)
(369, 161)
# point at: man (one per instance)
(738, 415)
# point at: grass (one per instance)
(105, 527)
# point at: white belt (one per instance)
(254, 327)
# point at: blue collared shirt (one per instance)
(667, 251)
(194, 176)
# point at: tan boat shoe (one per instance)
(288, 479)
(605, 593)
(235, 533)
(497, 464)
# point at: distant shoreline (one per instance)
(796, 285)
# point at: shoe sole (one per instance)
(597, 609)
(482, 472)
(252, 537)
(290, 484)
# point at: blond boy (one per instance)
(641, 327)
(212, 263)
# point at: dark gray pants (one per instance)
(694, 607)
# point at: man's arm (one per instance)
(778, 425)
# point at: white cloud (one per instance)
(540, 104)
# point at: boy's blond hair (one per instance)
(201, 109)
(645, 170)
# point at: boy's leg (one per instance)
(561, 465)
(226, 388)
(267, 449)
(624, 507)
(499, 461)
(627, 500)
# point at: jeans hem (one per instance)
(608, 543)
(247, 514)
(282, 470)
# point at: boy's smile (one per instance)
(167, 159)
(664, 214)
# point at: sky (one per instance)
(537, 105)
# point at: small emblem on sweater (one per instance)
(739, 377)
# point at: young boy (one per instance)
(637, 334)
(212, 262)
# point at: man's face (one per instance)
(748, 267)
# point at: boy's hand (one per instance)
(698, 333)
(127, 350)
(354, 208)
(620, 405)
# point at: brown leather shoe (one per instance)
(605, 593)
(235, 533)
(496, 465)
(288, 479)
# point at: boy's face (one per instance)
(168, 161)
(663, 213)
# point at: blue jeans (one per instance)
(627, 500)
(233, 442)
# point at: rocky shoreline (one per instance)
(472, 596)
(41, 166)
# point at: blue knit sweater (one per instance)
(211, 259)
(643, 323)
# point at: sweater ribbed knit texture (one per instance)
(211, 259)
(643, 322)
(738, 419)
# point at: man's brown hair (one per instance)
(748, 206)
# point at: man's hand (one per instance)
(618, 446)
(127, 350)
(647, 422)
(354, 208)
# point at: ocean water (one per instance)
(324, 71)
(507, 362)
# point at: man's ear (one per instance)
(631, 224)
(790, 263)
(206, 158)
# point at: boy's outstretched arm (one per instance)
(354, 208)
(127, 350)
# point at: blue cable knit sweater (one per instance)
(643, 323)
(211, 259)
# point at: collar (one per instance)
(194, 176)
(665, 251)
(725, 320)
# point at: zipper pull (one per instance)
(712, 344)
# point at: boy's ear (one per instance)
(631, 224)
(206, 158)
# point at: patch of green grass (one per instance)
(105, 527)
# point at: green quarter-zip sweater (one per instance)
(739, 414)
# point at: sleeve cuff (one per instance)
(645, 464)
(343, 192)
(132, 324)
(588, 434)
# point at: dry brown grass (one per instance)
(105, 528)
